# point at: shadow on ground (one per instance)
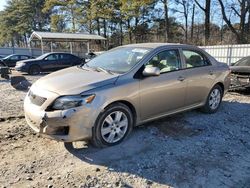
(243, 91)
(178, 150)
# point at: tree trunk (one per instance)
(121, 33)
(129, 31)
(136, 24)
(98, 26)
(165, 3)
(240, 39)
(186, 28)
(73, 19)
(243, 12)
(104, 28)
(192, 25)
(207, 21)
(248, 23)
(207, 11)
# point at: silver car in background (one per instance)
(105, 98)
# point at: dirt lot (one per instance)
(187, 150)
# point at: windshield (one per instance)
(119, 60)
(7, 57)
(42, 56)
(243, 62)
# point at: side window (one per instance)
(24, 57)
(14, 58)
(52, 57)
(194, 59)
(166, 61)
(66, 57)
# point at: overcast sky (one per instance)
(2, 4)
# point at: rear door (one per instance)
(199, 75)
(164, 93)
(50, 62)
(66, 60)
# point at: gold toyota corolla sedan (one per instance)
(105, 98)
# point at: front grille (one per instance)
(35, 99)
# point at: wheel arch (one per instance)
(221, 85)
(129, 105)
(34, 65)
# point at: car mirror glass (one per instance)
(151, 71)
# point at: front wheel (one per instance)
(34, 70)
(213, 100)
(112, 126)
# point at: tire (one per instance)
(6, 76)
(108, 132)
(34, 70)
(213, 100)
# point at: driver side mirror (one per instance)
(151, 71)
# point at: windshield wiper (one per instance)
(103, 70)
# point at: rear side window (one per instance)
(195, 59)
(24, 57)
(66, 57)
(166, 61)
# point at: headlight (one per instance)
(20, 64)
(66, 102)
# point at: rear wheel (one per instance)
(112, 126)
(34, 70)
(213, 100)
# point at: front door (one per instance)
(164, 93)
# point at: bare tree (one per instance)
(185, 11)
(206, 10)
(192, 25)
(240, 34)
(166, 19)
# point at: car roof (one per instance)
(156, 45)
(19, 54)
(59, 53)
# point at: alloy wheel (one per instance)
(214, 99)
(114, 127)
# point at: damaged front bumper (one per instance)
(239, 81)
(62, 125)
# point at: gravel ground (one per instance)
(186, 150)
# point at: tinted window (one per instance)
(243, 62)
(67, 57)
(15, 57)
(24, 57)
(194, 59)
(166, 61)
(52, 57)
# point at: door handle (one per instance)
(181, 78)
(211, 72)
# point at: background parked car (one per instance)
(241, 73)
(48, 62)
(91, 55)
(11, 60)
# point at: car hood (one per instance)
(29, 60)
(240, 69)
(74, 80)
